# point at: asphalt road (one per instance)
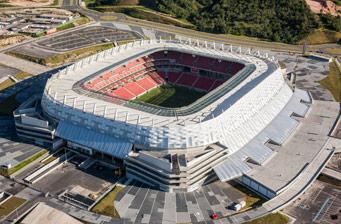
(74, 5)
(227, 39)
(23, 65)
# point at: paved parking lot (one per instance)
(87, 36)
(10, 186)
(321, 203)
(139, 203)
(34, 51)
(12, 152)
(23, 65)
(68, 176)
(6, 71)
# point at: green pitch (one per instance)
(170, 96)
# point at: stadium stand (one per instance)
(138, 76)
(204, 83)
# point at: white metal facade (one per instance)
(233, 120)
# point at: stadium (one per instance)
(177, 114)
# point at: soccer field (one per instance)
(170, 96)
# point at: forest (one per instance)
(286, 21)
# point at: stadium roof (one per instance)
(232, 120)
(43, 214)
(281, 127)
(64, 87)
(89, 138)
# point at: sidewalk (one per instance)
(23, 65)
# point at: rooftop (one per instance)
(310, 137)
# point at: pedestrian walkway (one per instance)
(332, 173)
(23, 65)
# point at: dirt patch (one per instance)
(326, 7)
(6, 40)
(30, 3)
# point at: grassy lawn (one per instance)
(10, 205)
(5, 84)
(23, 163)
(275, 218)
(333, 50)
(66, 57)
(171, 96)
(106, 205)
(22, 75)
(142, 12)
(65, 26)
(123, 42)
(322, 37)
(333, 81)
(282, 65)
(74, 23)
(252, 199)
(79, 21)
(50, 159)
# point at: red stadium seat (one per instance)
(134, 88)
(147, 83)
(216, 84)
(204, 83)
(123, 93)
(187, 79)
(142, 74)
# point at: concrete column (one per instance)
(94, 109)
(105, 111)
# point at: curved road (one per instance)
(75, 5)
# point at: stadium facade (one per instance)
(91, 107)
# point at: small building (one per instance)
(44, 214)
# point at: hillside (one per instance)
(286, 21)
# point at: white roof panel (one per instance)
(95, 140)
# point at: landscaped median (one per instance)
(12, 170)
(80, 21)
(10, 205)
(321, 36)
(106, 205)
(333, 80)
(6, 83)
(22, 75)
